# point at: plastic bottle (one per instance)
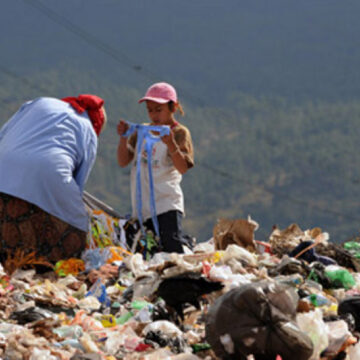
(200, 347)
(73, 343)
(124, 318)
(139, 305)
(318, 300)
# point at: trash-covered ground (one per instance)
(294, 296)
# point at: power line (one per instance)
(100, 45)
(90, 39)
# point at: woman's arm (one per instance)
(87, 161)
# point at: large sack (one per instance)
(257, 319)
(351, 305)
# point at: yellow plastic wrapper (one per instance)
(217, 256)
(108, 321)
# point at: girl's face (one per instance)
(159, 114)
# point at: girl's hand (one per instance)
(169, 139)
(122, 127)
(170, 142)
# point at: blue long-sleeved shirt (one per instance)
(47, 151)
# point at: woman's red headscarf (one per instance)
(93, 105)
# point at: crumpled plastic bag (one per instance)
(98, 290)
(125, 337)
(185, 357)
(31, 314)
(314, 326)
(354, 352)
(236, 252)
(258, 319)
(40, 354)
(338, 333)
(159, 354)
(105, 230)
(146, 286)
(340, 277)
(95, 258)
(166, 327)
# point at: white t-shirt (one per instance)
(166, 178)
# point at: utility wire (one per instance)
(89, 38)
(94, 41)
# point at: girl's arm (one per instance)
(179, 160)
(124, 155)
(177, 154)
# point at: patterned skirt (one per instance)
(24, 225)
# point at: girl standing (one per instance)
(170, 159)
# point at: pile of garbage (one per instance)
(295, 295)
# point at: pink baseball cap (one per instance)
(160, 93)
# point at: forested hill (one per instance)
(270, 90)
(279, 162)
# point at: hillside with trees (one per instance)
(266, 157)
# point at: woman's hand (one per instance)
(122, 127)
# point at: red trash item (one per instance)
(206, 267)
(267, 246)
(142, 347)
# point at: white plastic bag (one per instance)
(220, 273)
(313, 325)
(39, 354)
(354, 352)
(338, 332)
(239, 253)
(164, 326)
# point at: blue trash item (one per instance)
(95, 258)
(310, 255)
(145, 135)
(98, 290)
(318, 300)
